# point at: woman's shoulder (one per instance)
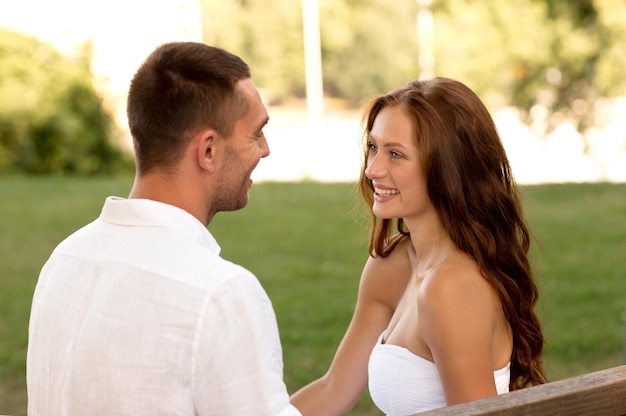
(396, 262)
(458, 280)
(386, 277)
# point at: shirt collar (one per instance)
(149, 213)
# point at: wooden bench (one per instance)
(601, 393)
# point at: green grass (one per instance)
(581, 255)
(306, 242)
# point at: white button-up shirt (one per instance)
(137, 314)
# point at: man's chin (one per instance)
(241, 203)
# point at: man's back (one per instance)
(153, 322)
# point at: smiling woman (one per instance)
(394, 166)
(445, 310)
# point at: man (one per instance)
(136, 313)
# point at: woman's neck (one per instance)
(430, 243)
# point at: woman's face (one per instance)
(393, 165)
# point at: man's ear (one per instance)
(207, 149)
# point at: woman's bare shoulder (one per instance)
(396, 265)
(387, 277)
(457, 284)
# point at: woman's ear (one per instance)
(207, 149)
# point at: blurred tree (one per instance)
(576, 43)
(51, 118)
(368, 46)
(610, 79)
(493, 47)
(267, 34)
(560, 55)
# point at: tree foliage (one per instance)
(559, 54)
(362, 54)
(267, 34)
(51, 118)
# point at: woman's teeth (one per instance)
(385, 192)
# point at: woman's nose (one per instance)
(373, 168)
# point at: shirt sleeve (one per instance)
(238, 364)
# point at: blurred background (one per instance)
(550, 71)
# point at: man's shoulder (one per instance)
(158, 252)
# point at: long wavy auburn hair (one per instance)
(471, 186)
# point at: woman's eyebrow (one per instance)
(387, 144)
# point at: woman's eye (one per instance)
(395, 155)
(372, 147)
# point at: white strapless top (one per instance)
(402, 383)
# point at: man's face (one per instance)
(242, 152)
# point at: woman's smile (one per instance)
(384, 194)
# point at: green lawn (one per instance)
(307, 243)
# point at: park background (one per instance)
(550, 71)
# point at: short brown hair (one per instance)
(181, 88)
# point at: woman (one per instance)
(445, 306)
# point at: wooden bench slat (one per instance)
(601, 393)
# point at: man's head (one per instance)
(197, 122)
(240, 153)
(180, 89)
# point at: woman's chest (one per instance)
(403, 329)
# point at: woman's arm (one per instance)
(382, 283)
